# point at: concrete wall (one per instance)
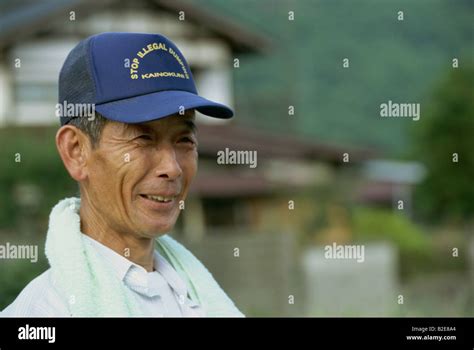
(339, 287)
(263, 275)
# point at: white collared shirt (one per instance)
(161, 293)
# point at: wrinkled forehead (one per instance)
(184, 121)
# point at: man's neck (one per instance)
(138, 250)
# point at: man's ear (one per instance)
(74, 147)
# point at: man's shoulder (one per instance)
(38, 299)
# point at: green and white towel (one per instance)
(92, 289)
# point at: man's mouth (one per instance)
(159, 199)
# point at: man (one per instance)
(134, 159)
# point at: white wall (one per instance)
(345, 287)
(213, 78)
(34, 84)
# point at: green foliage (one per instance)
(28, 156)
(39, 165)
(381, 224)
(448, 128)
(416, 250)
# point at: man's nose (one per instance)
(168, 166)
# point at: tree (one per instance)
(445, 144)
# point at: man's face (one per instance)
(139, 173)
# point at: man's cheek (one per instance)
(121, 163)
(189, 171)
(191, 165)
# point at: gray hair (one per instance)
(92, 127)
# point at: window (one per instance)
(225, 212)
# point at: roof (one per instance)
(230, 184)
(241, 38)
(22, 18)
(213, 138)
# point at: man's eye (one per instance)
(187, 140)
(145, 137)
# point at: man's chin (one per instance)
(154, 230)
(153, 222)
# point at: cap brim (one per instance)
(160, 104)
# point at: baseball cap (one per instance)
(131, 78)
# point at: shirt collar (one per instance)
(170, 275)
(119, 263)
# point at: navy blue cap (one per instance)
(131, 78)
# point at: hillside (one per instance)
(401, 61)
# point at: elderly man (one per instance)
(134, 159)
